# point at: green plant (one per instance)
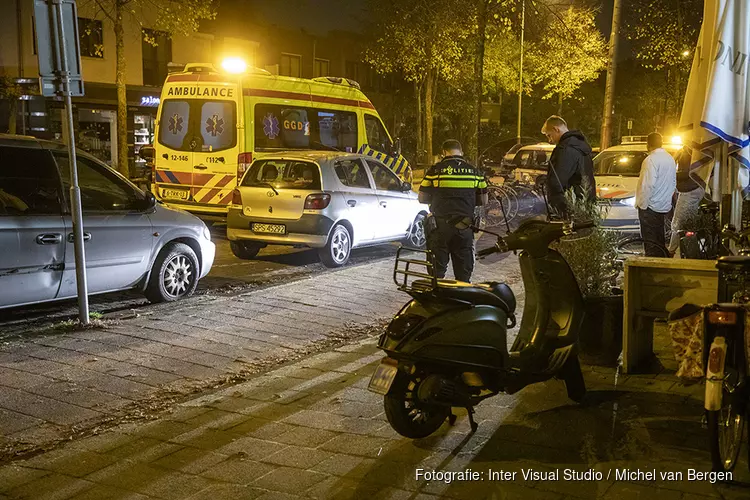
(592, 253)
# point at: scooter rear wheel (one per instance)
(408, 416)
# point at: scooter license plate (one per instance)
(383, 377)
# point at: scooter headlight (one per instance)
(402, 325)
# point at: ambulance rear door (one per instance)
(197, 143)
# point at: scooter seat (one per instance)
(490, 294)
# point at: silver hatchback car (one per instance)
(326, 200)
(131, 242)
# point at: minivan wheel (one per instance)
(245, 249)
(338, 248)
(416, 237)
(174, 275)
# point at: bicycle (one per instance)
(703, 243)
(727, 383)
(637, 246)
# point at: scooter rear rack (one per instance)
(427, 280)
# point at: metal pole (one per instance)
(609, 93)
(520, 71)
(75, 192)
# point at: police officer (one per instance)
(452, 188)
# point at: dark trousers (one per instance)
(652, 229)
(447, 242)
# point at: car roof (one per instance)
(640, 147)
(28, 141)
(308, 155)
(542, 146)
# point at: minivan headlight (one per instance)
(206, 233)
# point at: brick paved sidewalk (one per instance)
(311, 430)
(56, 385)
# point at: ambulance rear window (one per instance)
(198, 125)
(301, 127)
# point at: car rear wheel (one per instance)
(244, 249)
(174, 275)
(338, 248)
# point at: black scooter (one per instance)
(447, 347)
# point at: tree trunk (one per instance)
(609, 93)
(429, 97)
(420, 132)
(559, 104)
(13, 115)
(122, 101)
(472, 148)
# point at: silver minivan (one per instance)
(332, 201)
(130, 241)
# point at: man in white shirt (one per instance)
(653, 197)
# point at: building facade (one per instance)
(150, 55)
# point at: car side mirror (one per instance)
(147, 152)
(149, 202)
(406, 187)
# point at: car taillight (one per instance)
(243, 163)
(236, 197)
(689, 233)
(317, 201)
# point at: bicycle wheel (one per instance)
(726, 426)
(637, 246)
(501, 198)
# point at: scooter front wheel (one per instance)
(407, 415)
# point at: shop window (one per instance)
(291, 65)
(157, 54)
(90, 37)
(322, 67)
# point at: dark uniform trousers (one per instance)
(447, 242)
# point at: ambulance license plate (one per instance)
(383, 377)
(175, 194)
(269, 228)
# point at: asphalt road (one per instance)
(229, 275)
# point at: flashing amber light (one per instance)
(234, 65)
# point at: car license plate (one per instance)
(175, 194)
(269, 228)
(381, 380)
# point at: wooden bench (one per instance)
(653, 288)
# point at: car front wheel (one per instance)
(338, 248)
(174, 275)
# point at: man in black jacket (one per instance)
(571, 165)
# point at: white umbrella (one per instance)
(716, 107)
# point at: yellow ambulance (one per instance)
(212, 124)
